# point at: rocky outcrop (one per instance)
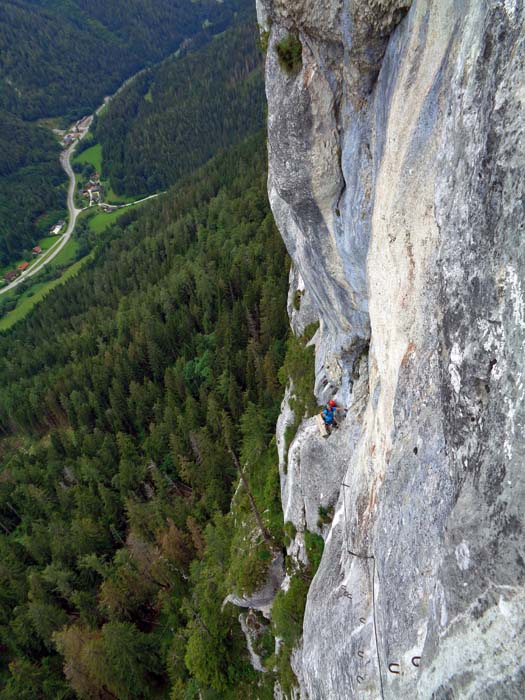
(262, 599)
(396, 177)
(252, 630)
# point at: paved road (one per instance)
(138, 201)
(65, 161)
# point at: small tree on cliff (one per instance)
(290, 53)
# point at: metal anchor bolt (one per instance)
(392, 670)
(346, 593)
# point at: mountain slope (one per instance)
(60, 58)
(31, 196)
(172, 118)
(117, 543)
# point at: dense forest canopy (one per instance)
(173, 117)
(121, 527)
(59, 58)
(31, 193)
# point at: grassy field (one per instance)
(67, 254)
(80, 201)
(47, 242)
(91, 155)
(113, 198)
(33, 296)
(98, 222)
(47, 245)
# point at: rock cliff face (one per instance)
(397, 172)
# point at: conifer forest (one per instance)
(139, 482)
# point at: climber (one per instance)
(328, 415)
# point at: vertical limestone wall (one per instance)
(397, 161)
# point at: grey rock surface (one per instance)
(397, 179)
(301, 308)
(252, 629)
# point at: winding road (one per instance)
(65, 161)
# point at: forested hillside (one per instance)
(123, 402)
(59, 58)
(173, 117)
(30, 177)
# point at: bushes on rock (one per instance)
(288, 606)
(264, 39)
(325, 515)
(314, 549)
(299, 367)
(290, 53)
(287, 622)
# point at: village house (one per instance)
(55, 230)
(37, 250)
(23, 266)
(11, 275)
